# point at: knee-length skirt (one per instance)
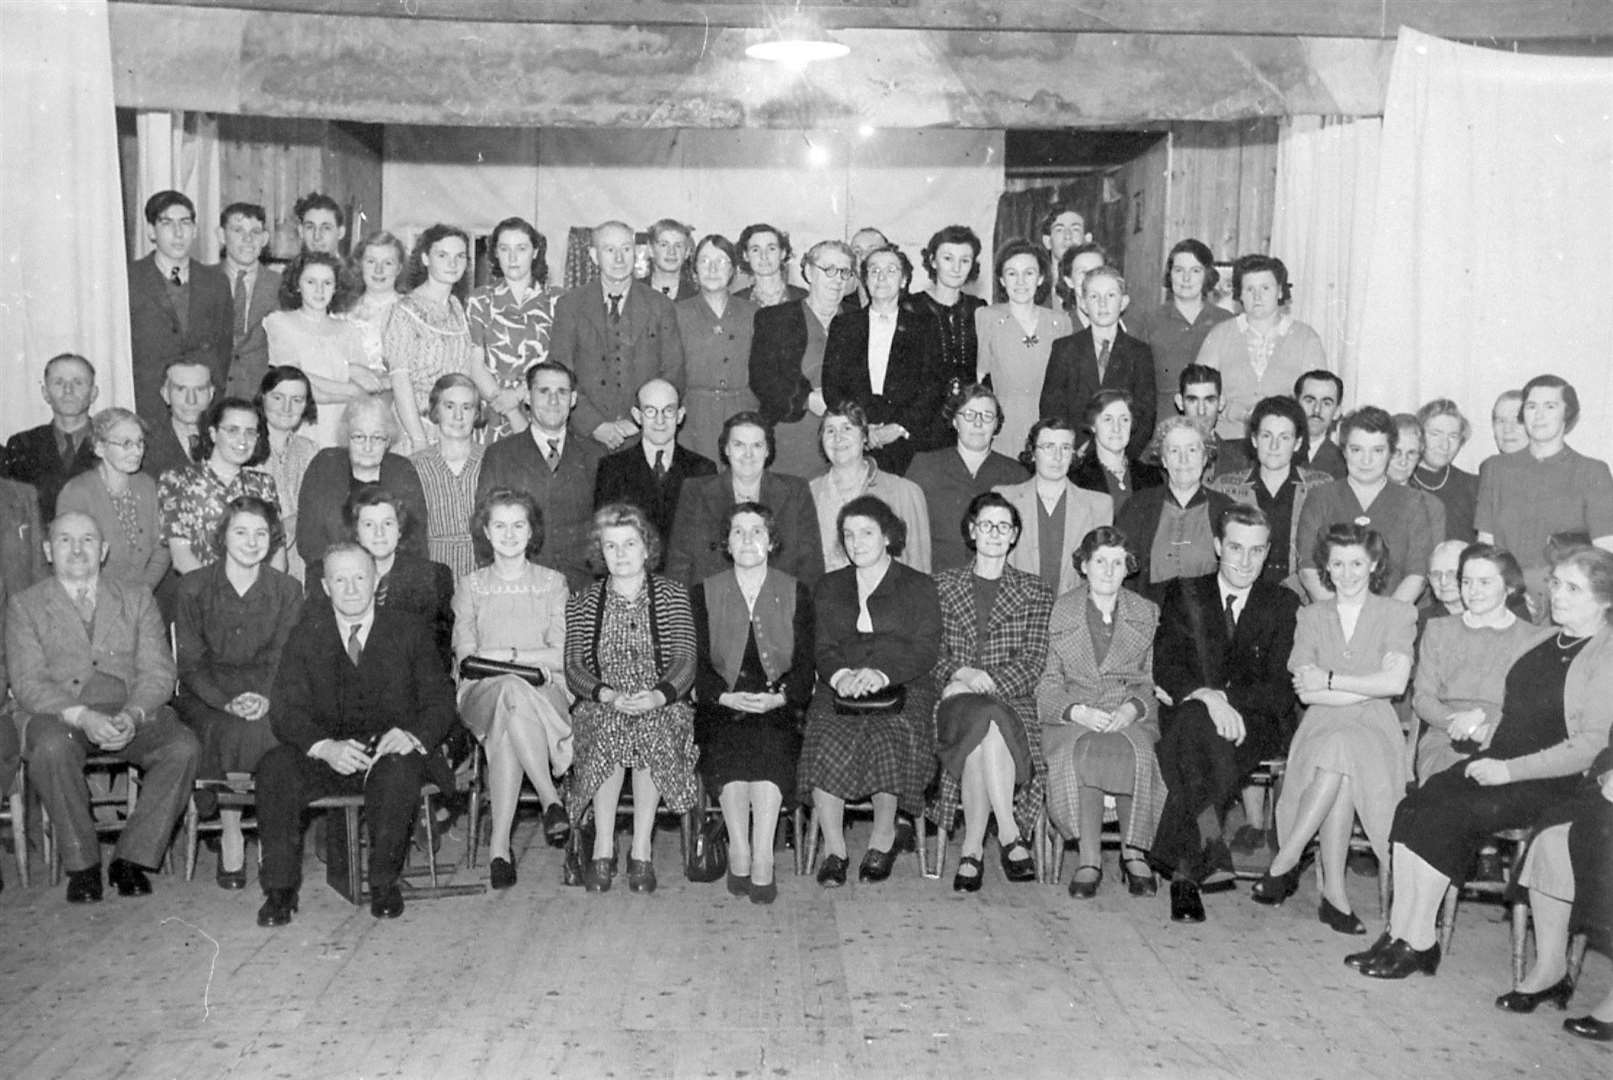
(545, 707)
(1115, 762)
(748, 748)
(661, 740)
(853, 757)
(229, 743)
(960, 725)
(1364, 743)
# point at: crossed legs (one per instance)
(988, 790)
(1326, 810)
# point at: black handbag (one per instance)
(879, 703)
(707, 857)
(480, 667)
(579, 850)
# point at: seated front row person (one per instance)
(360, 700)
(1100, 719)
(1221, 656)
(92, 673)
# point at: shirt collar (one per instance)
(651, 451)
(166, 266)
(541, 440)
(365, 625)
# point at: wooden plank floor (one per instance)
(906, 979)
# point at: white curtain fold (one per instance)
(179, 151)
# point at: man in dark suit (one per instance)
(172, 438)
(615, 334)
(1102, 357)
(649, 472)
(1320, 393)
(178, 308)
(254, 293)
(1221, 657)
(50, 455)
(360, 701)
(556, 466)
(90, 664)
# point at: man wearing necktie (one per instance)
(649, 472)
(92, 672)
(179, 309)
(1221, 657)
(616, 334)
(361, 699)
(254, 293)
(1102, 356)
(50, 455)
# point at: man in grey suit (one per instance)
(615, 334)
(254, 293)
(91, 669)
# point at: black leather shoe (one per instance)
(906, 836)
(278, 905)
(876, 865)
(1589, 1027)
(1344, 922)
(556, 826)
(597, 877)
(962, 882)
(640, 875)
(1138, 884)
(1360, 960)
(763, 894)
(832, 874)
(1185, 903)
(1399, 960)
(738, 884)
(501, 873)
(1017, 862)
(130, 879)
(84, 886)
(1085, 890)
(233, 880)
(386, 902)
(1275, 889)
(1217, 861)
(1523, 1001)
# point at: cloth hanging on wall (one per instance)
(178, 151)
(1020, 213)
(1492, 215)
(66, 288)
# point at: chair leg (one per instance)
(47, 835)
(19, 829)
(1576, 958)
(1447, 918)
(918, 847)
(798, 824)
(428, 809)
(1386, 884)
(812, 841)
(473, 815)
(939, 865)
(192, 837)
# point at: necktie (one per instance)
(173, 276)
(660, 466)
(240, 303)
(1103, 359)
(1232, 616)
(355, 648)
(86, 606)
(615, 309)
(553, 456)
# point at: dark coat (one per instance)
(1192, 650)
(164, 451)
(157, 338)
(693, 554)
(626, 476)
(1072, 379)
(580, 339)
(250, 354)
(22, 537)
(325, 487)
(565, 495)
(948, 490)
(778, 341)
(915, 383)
(31, 457)
(1139, 519)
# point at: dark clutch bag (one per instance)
(479, 667)
(707, 857)
(880, 703)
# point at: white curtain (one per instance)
(1327, 177)
(1493, 221)
(64, 284)
(179, 151)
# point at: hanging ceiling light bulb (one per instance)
(796, 42)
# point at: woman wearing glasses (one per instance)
(233, 440)
(716, 330)
(1055, 514)
(952, 476)
(786, 357)
(122, 500)
(368, 428)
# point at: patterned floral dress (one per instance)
(427, 341)
(509, 336)
(192, 501)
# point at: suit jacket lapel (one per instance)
(1129, 635)
(63, 613)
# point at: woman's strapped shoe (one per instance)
(1274, 890)
(1017, 862)
(1085, 890)
(832, 874)
(962, 882)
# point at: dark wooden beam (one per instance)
(1474, 20)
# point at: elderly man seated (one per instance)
(92, 673)
(362, 698)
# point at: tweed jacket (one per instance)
(1074, 676)
(1014, 651)
(1083, 511)
(580, 339)
(53, 659)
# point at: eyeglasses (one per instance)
(127, 444)
(994, 528)
(369, 440)
(975, 416)
(1443, 575)
(885, 271)
(834, 271)
(650, 412)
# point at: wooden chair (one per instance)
(865, 807)
(234, 794)
(344, 862)
(15, 813)
(124, 805)
(474, 818)
(1514, 843)
(1269, 775)
(1050, 843)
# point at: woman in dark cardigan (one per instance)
(368, 428)
(753, 681)
(878, 631)
(1168, 527)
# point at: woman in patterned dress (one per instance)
(449, 472)
(630, 662)
(122, 500)
(511, 318)
(515, 610)
(994, 622)
(1015, 341)
(233, 439)
(287, 401)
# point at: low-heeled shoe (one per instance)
(1017, 862)
(1524, 1001)
(501, 873)
(1186, 905)
(1359, 960)
(130, 879)
(1589, 1027)
(556, 826)
(231, 879)
(278, 906)
(763, 894)
(738, 884)
(1343, 922)
(1085, 890)
(876, 865)
(1138, 884)
(906, 836)
(597, 877)
(1399, 960)
(84, 886)
(386, 902)
(832, 874)
(640, 875)
(962, 882)
(1274, 889)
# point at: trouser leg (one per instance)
(166, 752)
(55, 753)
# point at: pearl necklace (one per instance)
(1442, 482)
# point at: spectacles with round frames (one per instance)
(834, 271)
(995, 528)
(368, 440)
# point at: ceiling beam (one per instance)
(1468, 20)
